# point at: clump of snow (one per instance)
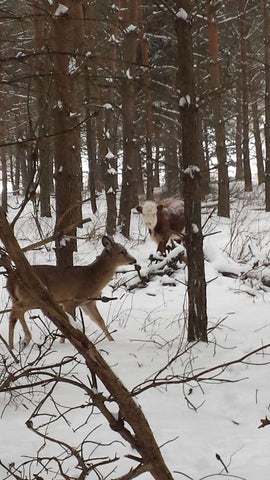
(112, 171)
(192, 170)
(185, 101)
(108, 106)
(128, 74)
(131, 28)
(61, 10)
(182, 14)
(109, 155)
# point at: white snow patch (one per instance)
(108, 106)
(191, 170)
(61, 10)
(109, 155)
(182, 14)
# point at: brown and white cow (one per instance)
(164, 221)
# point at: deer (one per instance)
(74, 286)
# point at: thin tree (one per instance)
(197, 315)
(216, 96)
(43, 86)
(267, 103)
(66, 140)
(129, 180)
(243, 31)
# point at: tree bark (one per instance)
(44, 106)
(148, 110)
(258, 142)
(244, 92)
(67, 136)
(4, 202)
(239, 174)
(216, 83)
(197, 315)
(267, 103)
(129, 180)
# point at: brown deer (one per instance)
(71, 286)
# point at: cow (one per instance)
(164, 221)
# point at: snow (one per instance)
(108, 106)
(131, 28)
(191, 170)
(128, 74)
(111, 171)
(109, 155)
(185, 101)
(195, 422)
(182, 14)
(61, 10)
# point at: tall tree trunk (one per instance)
(244, 87)
(148, 111)
(197, 315)
(171, 165)
(4, 202)
(108, 146)
(267, 103)
(156, 164)
(258, 142)
(44, 99)
(216, 83)
(89, 70)
(239, 174)
(66, 140)
(129, 180)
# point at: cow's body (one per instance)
(164, 220)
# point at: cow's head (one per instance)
(149, 212)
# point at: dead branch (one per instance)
(264, 422)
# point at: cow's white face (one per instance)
(149, 212)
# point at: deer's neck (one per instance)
(102, 270)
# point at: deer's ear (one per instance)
(107, 242)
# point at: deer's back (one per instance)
(64, 283)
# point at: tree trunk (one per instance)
(139, 435)
(258, 142)
(216, 83)
(171, 166)
(239, 174)
(66, 140)
(108, 146)
(4, 202)
(245, 89)
(89, 70)
(43, 90)
(197, 315)
(267, 103)
(129, 180)
(148, 111)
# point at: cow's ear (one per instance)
(159, 206)
(139, 208)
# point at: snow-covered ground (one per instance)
(193, 421)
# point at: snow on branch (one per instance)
(191, 171)
(61, 10)
(182, 14)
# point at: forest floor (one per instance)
(206, 427)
